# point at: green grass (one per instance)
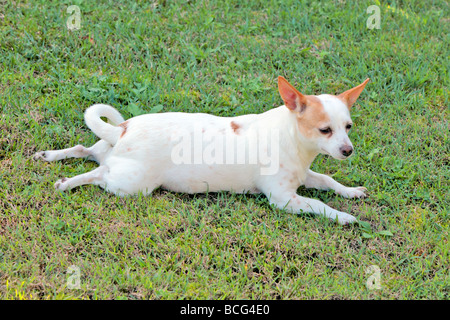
(224, 58)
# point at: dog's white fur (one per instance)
(137, 155)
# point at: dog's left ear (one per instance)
(293, 99)
(349, 97)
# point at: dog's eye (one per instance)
(325, 130)
(349, 126)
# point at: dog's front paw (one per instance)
(357, 192)
(345, 218)
(40, 156)
(49, 155)
(61, 184)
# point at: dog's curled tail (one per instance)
(106, 131)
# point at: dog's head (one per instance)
(323, 121)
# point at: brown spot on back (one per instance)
(124, 126)
(235, 127)
(312, 118)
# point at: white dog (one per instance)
(269, 152)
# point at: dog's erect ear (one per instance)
(293, 100)
(349, 97)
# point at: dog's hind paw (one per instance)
(357, 192)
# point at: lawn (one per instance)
(223, 58)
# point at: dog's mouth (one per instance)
(325, 151)
(340, 157)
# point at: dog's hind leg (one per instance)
(95, 176)
(96, 152)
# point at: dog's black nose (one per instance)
(346, 150)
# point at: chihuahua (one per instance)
(268, 153)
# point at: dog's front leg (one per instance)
(324, 182)
(292, 202)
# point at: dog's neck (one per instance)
(305, 154)
(285, 121)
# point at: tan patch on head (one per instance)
(235, 127)
(312, 118)
(124, 126)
